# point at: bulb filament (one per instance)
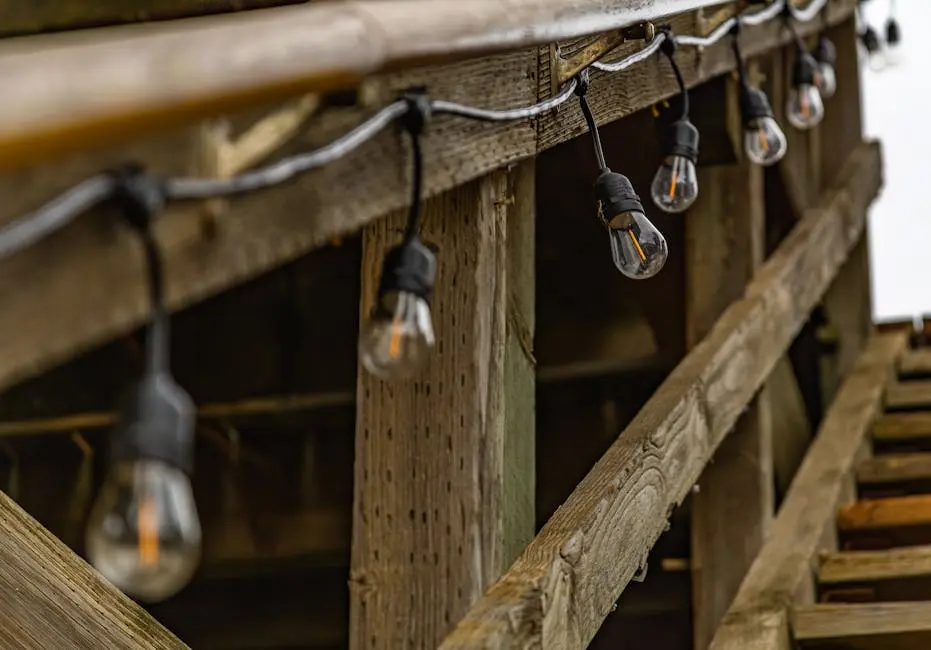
(764, 143)
(674, 180)
(633, 238)
(806, 109)
(394, 344)
(148, 533)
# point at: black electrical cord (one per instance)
(789, 21)
(669, 49)
(738, 55)
(581, 90)
(415, 120)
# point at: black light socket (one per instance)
(826, 52)
(805, 70)
(870, 40)
(409, 267)
(157, 421)
(681, 139)
(893, 34)
(615, 198)
(754, 104)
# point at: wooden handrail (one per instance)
(72, 90)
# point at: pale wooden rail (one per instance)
(567, 580)
(781, 576)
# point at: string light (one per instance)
(399, 334)
(893, 36)
(143, 533)
(764, 141)
(638, 249)
(804, 106)
(826, 57)
(675, 184)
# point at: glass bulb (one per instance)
(638, 248)
(675, 185)
(143, 533)
(398, 337)
(764, 141)
(827, 80)
(804, 109)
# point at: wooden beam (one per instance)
(567, 580)
(725, 240)
(873, 626)
(45, 321)
(891, 574)
(877, 523)
(50, 598)
(444, 477)
(902, 428)
(783, 567)
(916, 363)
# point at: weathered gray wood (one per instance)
(567, 580)
(725, 240)
(903, 427)
(50, 598)
(909, 395)
(916, 362)
(440, 506)
(783, 567)
(859, 567)
(895, 468)
(872, 626)
(45, 321)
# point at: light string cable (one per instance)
(63, 209)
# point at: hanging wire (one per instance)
(581, 91)
(669, 49)
(62, 210)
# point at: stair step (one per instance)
(895, 473)
(869, 626)
(909, 395)
(903, 428)
(916, 363)
(884, 523)
(891, 575)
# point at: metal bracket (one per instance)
(564, 68)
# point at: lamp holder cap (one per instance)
(157, 419)
(754, 104)
(682, 140)
(615, 196)
(893, 32)
(826, 52)
(409, 267)
(805, 70)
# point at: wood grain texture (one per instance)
(856, 567)
(878, 523)
(433, 481)
(783, 567)
(567, 580)
(909, 395)
(50, 598)
(873, 626)
(725, 238)
(903, 427)
(268, 229)
(895, 468)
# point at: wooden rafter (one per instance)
(567, 580)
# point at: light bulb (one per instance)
(637, 247)
(675, 184)
(143, 533)
(804, 108)
(764, 141)
(826, 74)
(893, 41)
(399, 335)
(871, 45)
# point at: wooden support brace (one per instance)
(444, 473)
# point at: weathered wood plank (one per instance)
(567, 580)
(874, 626)
(45, 321)
(50, 598)
(783, 567)
(725, 238)
(916, 362)
(436, 495)
(878, 523)
(891, 469)
(909, 395)
(903, 427)
(892, 574)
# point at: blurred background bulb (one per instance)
(804, 108)
(399, 335)
(872, 48)
(143, 532)
(675, 184)
(637, 247)
(826, 76)
(893, 42)
(764, 141)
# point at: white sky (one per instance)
(897, 110)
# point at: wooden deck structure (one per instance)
(584, 459)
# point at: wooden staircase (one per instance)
(874, 592)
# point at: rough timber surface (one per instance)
(45, 321)
(782, 567)
(566, 582)
(50, 598)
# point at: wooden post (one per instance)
(725, 236)
(444, 492)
